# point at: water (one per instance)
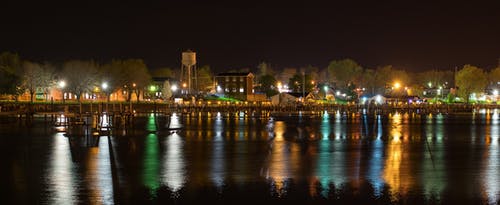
(222, 158)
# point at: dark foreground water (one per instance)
(234, 159)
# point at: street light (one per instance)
(397, 85)
(326, 90)
(104, 86)
(61, 85)
(173, 88)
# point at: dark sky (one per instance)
(416, 35)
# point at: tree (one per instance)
(313, 72)
(111, 75)
(286, 74)
(36, 77)
(131, 75)
(205, 79)
(268, 85)
(494, 75)
(434, 78)
(470, 79)
(166, 90)
(345, 71)
(80, 77)
(387, 76)
(163, 72)
(296, 83)
(368, 81)
(10, 66)
(265, 69)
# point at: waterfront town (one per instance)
(341, 82)
(250, 102)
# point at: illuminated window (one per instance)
(241, 79)
(242, 90)
(227, 79)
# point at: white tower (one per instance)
(188, 72)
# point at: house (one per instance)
(235, 85)
(290, 98)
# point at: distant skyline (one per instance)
(238, 34)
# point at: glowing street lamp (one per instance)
(61, 85)
(104, 86)
(397, 85)
(152, 88)
(173, 88)
(326, 90)
(280, 87)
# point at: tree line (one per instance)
(347, 76)
(19, 76)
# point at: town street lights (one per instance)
(61, 85)
(397, 85)
(326, 90)
(104, 87)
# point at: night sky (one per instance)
(414, 35)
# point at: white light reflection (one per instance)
(218, 162)
(434, 166)
(61, 179)
(174, 121)
(494, 117)
(105, 120)
(174, 168)
(338, 126)
(491, 168)
(323, 166)
(376, 168)
(325, 126)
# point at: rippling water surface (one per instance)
(234, 158)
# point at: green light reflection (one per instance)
(151, 165)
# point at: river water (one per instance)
(233, 158)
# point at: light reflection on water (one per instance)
(434, 162)
(431, 154)
(279, 159)
(174, 168)
(99, 174)
(491, 166)
(151, 167)
(217, 164)
(61, 179)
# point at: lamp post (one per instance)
(326, 90)
(104, 87)
(303, 86)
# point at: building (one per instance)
(292, 98)
(235, 85)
